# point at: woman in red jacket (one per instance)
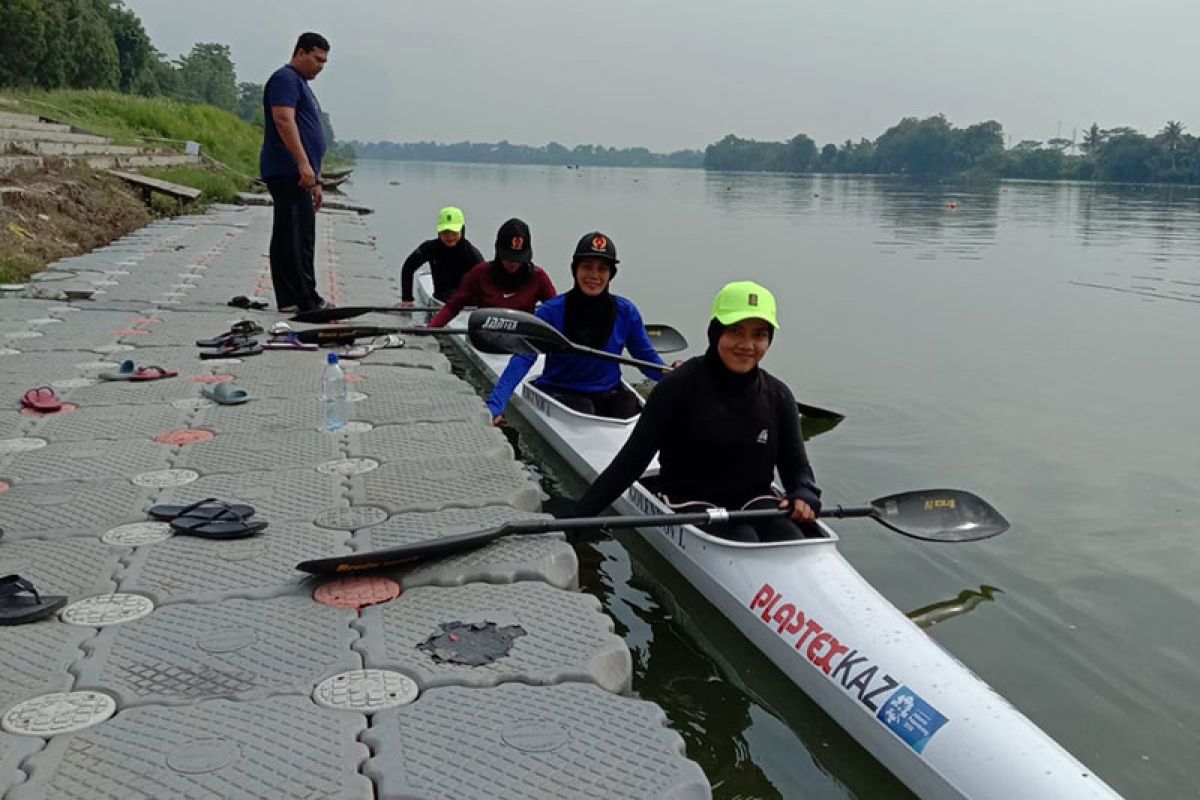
(511, 280)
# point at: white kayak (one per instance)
(928, 719)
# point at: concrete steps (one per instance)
(26, 139)
(144, 159)
(50, 148)
(30, 122)
(10, 164)
(49, 133)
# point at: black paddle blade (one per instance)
(345, 334)
(503, 330)
(350, 312)
(399, 556)
(666, 339)
(816, 412)
(332, 314)
(939, 515)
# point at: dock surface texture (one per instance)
(185, 667)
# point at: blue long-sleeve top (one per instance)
(576, 373)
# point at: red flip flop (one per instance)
(152, 374)
(41, 399)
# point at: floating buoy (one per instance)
(951, 206)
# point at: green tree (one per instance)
(1093, 140)
(979, 142)
(918, 147)
(22, 41)
(207, 75)
(801, 154)
(1128, 158)
(160, 77)
(134, 51)
(250, 102)
(1170, 138)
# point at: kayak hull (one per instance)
(926, 717)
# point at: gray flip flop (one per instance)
(124, 373)
(225, 394)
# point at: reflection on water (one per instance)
(964, 603)
(1013, 339)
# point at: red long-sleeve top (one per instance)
(478, 288)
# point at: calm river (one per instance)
(1033, 343)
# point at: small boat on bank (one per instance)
(926, 717)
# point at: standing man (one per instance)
(290, 163)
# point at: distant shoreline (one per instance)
(959, 178)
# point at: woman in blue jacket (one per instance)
(591, 316)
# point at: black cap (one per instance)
(595, 245)
(513, 242)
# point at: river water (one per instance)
(1034, 343)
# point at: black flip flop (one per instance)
(20, 602)
(209, 508)
(248, 347)
(228, 524)
(238, 330)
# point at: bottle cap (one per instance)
(332, 358)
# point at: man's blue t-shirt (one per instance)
(287, 87)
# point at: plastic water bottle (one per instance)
(333, 395)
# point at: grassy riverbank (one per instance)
(66, 210)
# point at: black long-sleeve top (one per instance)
(448, 265)
(719, 436)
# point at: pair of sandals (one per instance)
(236, 342)
(21, 602)
(210, 519)
(386, 341)
(225, 393)
(42, 400)
(288, 341)
(241, 301)
(128, 371)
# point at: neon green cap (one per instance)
(744, 300)
(451, 219)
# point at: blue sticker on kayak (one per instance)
(911, 718)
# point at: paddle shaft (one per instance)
(339, 335)
(349, 312)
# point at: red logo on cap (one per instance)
(599, 243)
(518, 243)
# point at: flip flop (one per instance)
(243, 329)
(241, 301)
(152, 374)
(225, 394)
(21, 602)
(223, 512)
(355, 352)
(209, 505)
(289, 342)
(41, 399)
(386, 341)
(246, 348)
(123, 373)
(228, 524)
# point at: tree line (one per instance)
(101, 44)
(932, 148)
(552, 154)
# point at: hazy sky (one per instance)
(670, 74)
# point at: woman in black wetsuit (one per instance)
(722, 426)
(450, 256)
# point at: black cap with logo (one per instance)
(513, 242)
(596, 245)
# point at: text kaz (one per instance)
(856, 674)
